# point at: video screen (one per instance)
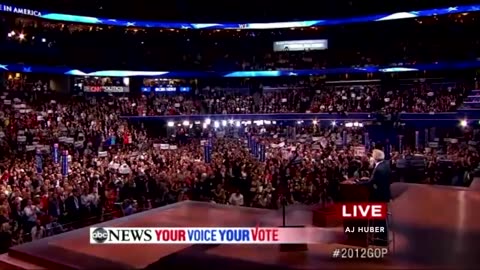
(164, 86)
(103, 84)
(300, 45)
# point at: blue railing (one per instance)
(254, 117)
(448, 116)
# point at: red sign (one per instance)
(107, 89)
(95, 89)
(364, 211)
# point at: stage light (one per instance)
(224, 123)
(21, 36)
(44, 40)
(463, 123)
(315, 122)
(170, 124)
(205, 125)
(186, 123)
(208, 121)
(230, 122)
(334, 123)
(216, 124)
(237, 124)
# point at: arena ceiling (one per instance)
(230, 11)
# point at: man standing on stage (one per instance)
(379, 185)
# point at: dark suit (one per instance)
(73, 208)
(55, 208)
(379, 185)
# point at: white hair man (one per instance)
(378, 156)
(379, 185)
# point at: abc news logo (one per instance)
(100, 235)
(120, 235)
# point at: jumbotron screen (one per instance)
(103, 84)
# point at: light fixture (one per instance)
(216, 124)
(237, 124)
(334, 123)
(463, 123)
(315, 122)
(170, 124)
(186, 123)
(21, 36)
(224, 123)
(208, 121)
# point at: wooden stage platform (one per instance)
(435, 227)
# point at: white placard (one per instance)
(164, 146)
(359, 151)
(78, 144)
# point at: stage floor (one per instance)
(434, 227)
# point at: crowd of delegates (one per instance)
(414, 41)
(420, 98)
(117, 168)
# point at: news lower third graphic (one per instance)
(359, 253)
(217, 235)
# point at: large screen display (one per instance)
(162, 85)
(104, 84)
(300, 45)
(222, 25)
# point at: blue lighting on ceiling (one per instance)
(116, 73)
(263, 73)
(239, 74)
(271, 25)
